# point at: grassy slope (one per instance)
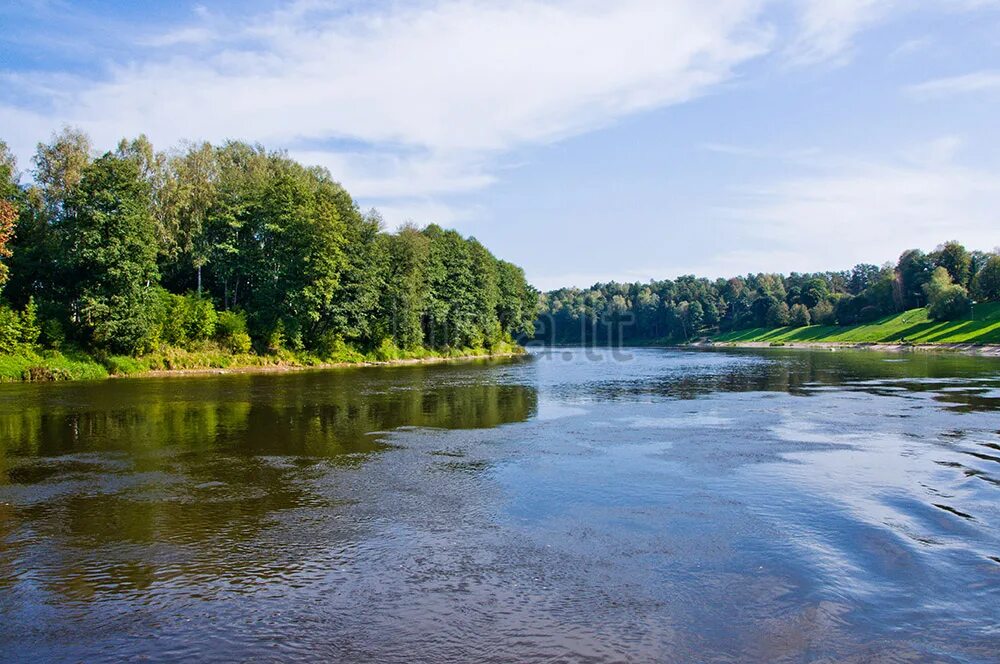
(913, 326)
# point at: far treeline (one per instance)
(232, 248)
(946, 281)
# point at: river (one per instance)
(645, 505)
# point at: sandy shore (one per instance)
(986, 350)
(285, 368)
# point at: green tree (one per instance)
(406, 286)
(59, 167)
(778, 315)
(953, 257)
(108, 239)
(913, 271)
(799, 315)
(986, 286)
(946, 300)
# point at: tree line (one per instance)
(235, 246)
(946, 281)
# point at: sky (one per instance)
(583, 140)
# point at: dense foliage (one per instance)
(231, 247)
(944, 280)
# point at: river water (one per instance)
(647, 505)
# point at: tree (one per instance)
(823, 314)
(8, 221)
(406, 286)
(946, 300)
(814, 291)
(986, 286)
(799, 316)
(953, 257)
(778, 315)
(862, 276)
(913, 271)
(108, 238)
(695, 316)
(59, 167)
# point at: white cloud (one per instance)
(432, 93)
(827, 28)
(866, 211)
(454, 82)
(980, 81)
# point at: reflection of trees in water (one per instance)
(176, 478)
(321, 414)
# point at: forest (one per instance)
(231, 249)
(947, 281)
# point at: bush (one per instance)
(387, 351)
(332, 348)
(231, 332)
(950, 303)
(10, 330)
(52, 334)
(30, 328)
(946, 300)
(276, 340)
(186, 319)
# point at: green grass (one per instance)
(49, 365)
(913, 326)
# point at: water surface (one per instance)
(649, 505)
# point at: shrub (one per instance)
(276, 340)
(946, 300)
(185, 319)
(231, 331)
(10, 329)
(387, 351)
(52, 333)
(332, 348)
(950, 303)
(30, 328)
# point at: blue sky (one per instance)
(583, 140)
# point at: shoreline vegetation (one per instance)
(947, 297)
(977, 333)
(55, 366)
(228, 257)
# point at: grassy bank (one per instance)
(913, 326)
(56, 366)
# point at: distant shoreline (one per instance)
(985, 350)
(981, 350)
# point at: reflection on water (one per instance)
(657, 506)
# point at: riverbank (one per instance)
(48, 366)
(909, 328)
(281, 368)
(985, 350)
